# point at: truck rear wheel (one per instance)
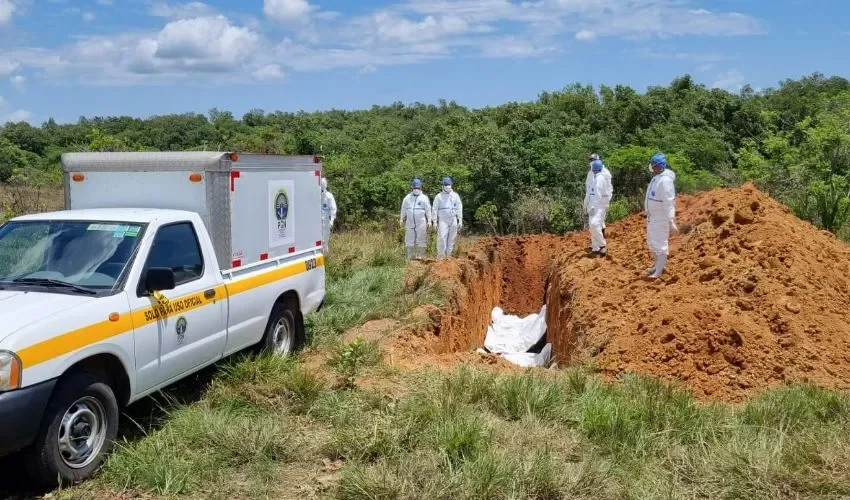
(281, 336)
(78, 431)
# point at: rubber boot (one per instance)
(651, 270)
(660, 263)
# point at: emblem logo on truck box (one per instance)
(282, 220)
(281, 206)
(281, 210)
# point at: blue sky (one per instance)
(67, 58)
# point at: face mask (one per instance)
(417, 192)
(651, 171)
(447, 189)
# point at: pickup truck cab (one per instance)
(103, 306)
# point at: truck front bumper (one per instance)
(21, 412)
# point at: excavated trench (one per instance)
(511, 273)
(752, 298)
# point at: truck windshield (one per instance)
(66, 256)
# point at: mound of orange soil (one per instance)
(752, 297)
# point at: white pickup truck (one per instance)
(162, 264)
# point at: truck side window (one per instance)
(176, 246)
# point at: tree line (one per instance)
(519, 166)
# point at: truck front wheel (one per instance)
(78, 430)
(281, 336)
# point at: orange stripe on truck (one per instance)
(82, 337)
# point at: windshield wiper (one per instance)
(57, 283)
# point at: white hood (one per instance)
(19, 309)
(669, 173)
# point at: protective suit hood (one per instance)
(669, 173)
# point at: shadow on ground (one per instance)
(145, 416)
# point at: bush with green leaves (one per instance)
(350, 359)
(487, 216)
(831, 202)
(619, 209)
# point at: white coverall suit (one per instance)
(599, 197)
(588, 185)
(328, 217)
(416, 217)
(448, 213)
(660, 206)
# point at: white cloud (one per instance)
(183, 48)
(393, 29)
(8, 66)
(105, 3)
(287, 11)
(18, 81)
(195, 40)
(7, 8)
(268, 72)
(302, 57)
(732, 80)
(586, 36)
(365, 70)
(181, 11)
(204, 40)
(514, 48)
(88, 16)
(20, 115)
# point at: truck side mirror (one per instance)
(158, 279)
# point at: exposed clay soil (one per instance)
(752, 298)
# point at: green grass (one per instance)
(365, 281)
(471, 433)
(268, 426)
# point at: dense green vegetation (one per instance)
(519, 166)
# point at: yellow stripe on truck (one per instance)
(97, 332)
(71, 341)
(259, 280)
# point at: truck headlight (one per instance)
(10, 371)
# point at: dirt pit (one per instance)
(752, 298)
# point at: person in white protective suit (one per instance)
(599, 197)
(660, 206)
(588, 183)
(328, 214)
(415, 218)
(447, 213)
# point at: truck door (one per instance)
(188, 328)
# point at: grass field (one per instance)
(351, 426)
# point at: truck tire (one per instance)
(281, 337)
(77, 432)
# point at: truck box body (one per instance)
(255, 207)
